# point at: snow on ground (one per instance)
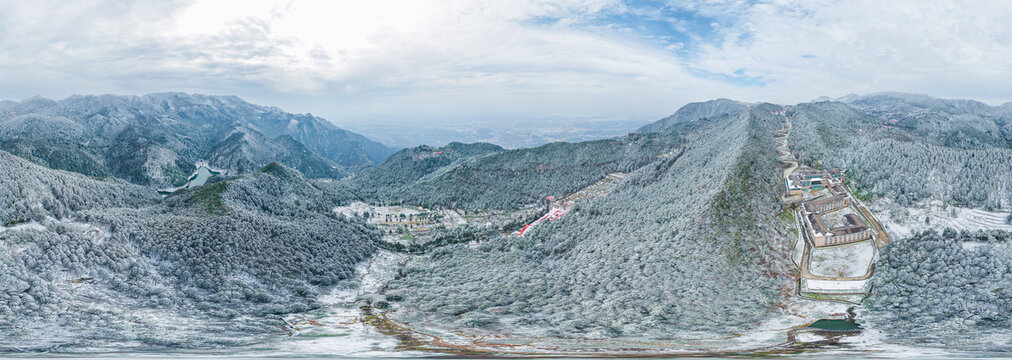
(850, 260)
(799, 250)
(381, 214)
(831, 286)
(879, 346)
(336, 328)
(902, 221)
(34, 225)
(454, 216)
(809, 337)
(94, 232)
(354, 209)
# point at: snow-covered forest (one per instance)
(690, 243)
(951, 288)
(884, 161)
(506, 179)
(29, 192)
(103, 260)
(155, 139)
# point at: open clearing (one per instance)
(850, 260)
(904, 221)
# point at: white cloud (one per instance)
(808, 48)
(457, 58)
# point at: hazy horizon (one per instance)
(419, 62)
(511, 131)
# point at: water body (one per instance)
(198, 178)
(836, 324)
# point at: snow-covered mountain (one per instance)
(156, 139)
(695, 111)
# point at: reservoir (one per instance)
(198, 178)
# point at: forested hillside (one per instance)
(29, 192)
(691, 243)
(108, 264)
(686, 243)
(406, 166)
(952, 289)
(886, 161)
(965, 124)
(156, 139)
(696, 111)
(495, 179)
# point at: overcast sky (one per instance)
(372, 60)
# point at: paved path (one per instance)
(782, 149)
(881, 239)
(786, 156)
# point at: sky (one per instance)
(445, 61)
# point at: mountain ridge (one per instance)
(696, 111)
(156, 139)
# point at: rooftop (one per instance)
(794, 181)
(853, 220)
(818, 225)
(848, 230)
(826, 200)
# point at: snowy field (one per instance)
(834, 286)
(850, 260)
(337, 329)
(903, 221)
(799, 250)
(381, 214)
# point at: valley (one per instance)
(414, 225)
(725, 229)
(482, 179)
(798, 326)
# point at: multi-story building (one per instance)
(811, 179)
(793, 185)
(835, 175)
(829, 204)
(853, 230)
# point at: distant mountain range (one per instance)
(156, 139)
(508, 132)
(966, 124)
(692, 241)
